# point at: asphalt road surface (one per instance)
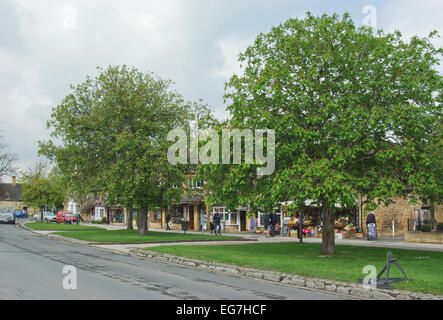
(31, 268)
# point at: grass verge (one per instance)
(131, 236)
(52, 226)
(423, 267)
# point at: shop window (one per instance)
(229, 218)
(261, 218)
(176, 214)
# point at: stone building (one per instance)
(11, 197)
(400, 217)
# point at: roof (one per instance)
(9, 192)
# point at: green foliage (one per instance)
(426, 228)
(41, 189)
(440, 227)
(114, 131)
(104, 220)
(354, 113)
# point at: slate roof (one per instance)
(9, 192)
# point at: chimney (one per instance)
(14, 181)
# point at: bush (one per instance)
(440, 227)
(96, 222)
(426, 228)
(104, 221)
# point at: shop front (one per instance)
(345, 223)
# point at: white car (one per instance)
(7, 217)
(47, 217)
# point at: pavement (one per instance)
(32, 269)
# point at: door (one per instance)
(191, 217)
(243, 221)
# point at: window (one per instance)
(176, 214)
(194, 184)
(230, 218)
(261, 217)
(99, 213)
(157, 214)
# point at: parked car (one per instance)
(47, 217)
(20, 214)
(66, 217)
(7, 217)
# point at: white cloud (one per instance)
(229, 49)
(45, 45)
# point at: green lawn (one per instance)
(424, 267)
(131, 236)
(52, 226)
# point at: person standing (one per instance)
(267, 224)
(217, 225)
(168, 222)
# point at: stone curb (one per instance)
(331, 286)
(53, 236)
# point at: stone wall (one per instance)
(424, 237)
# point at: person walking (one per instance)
(217, 225)
(273, 222)
(168, 222)
(267, 224)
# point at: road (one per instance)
(31, 268)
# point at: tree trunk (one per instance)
(129, 220)
(328, 240)
(142, 221)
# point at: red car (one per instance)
(66, 217)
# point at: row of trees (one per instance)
(114, 132)
(354, 113)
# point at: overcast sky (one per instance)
(46, 45)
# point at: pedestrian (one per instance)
(273, 222)
(253, 224)
(168, 222)
(267, 224)
(216, 220)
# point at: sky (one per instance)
(47, 45)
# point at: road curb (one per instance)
(328, 286)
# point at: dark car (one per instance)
(7, 217)
(20, 214)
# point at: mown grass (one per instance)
(131, 236)
(52, 226)
(424, 267)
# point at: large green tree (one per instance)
(113, 130)
(354, 112)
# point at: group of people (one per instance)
(271, 224)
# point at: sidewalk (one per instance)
(382, 243)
